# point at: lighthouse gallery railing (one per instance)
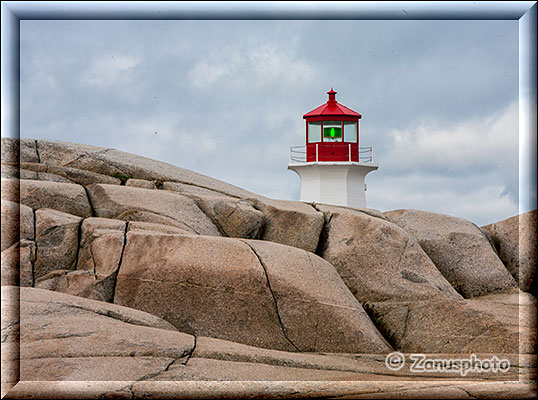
(298, 154)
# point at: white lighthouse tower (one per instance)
(331, 165)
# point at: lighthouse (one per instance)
(332, 166)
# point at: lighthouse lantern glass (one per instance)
(350, 132)
(314, 132)
(332, 131)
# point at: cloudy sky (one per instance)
(439, 100)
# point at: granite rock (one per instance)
(66, 197)
(56, 241)
(378, 260)
(113, 201)
(515, 240)
(459, 249)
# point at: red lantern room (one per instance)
(332, 132)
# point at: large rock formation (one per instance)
(234, 217)
(113, 201)
(240, 291)
(56, 241)
(379, 261)
(66, 197)
(18, 244)
(482, 324)
(515, 241)
(98, 259)
(17, 223)
(89, 340)
(292, 223)
(316, 309)
(238, 286)
(116, 163)
(459, 249)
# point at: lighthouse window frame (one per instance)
(332, 124)
(350, 132)
(314, 132)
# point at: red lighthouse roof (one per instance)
(332, 108)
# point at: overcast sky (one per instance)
(439, 100)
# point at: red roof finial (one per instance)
(331, 109)
(332, 96)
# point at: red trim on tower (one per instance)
(330, 150)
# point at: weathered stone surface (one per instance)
(10, 314)
(291, 223)
(17, 223)
(459, 249)
(140, 183)
(187, 189)
(113, 162)
(314, 367)
(112, 201)
(33, 171)
(234, 217)
(18, 150)
(34, 166)
(92, 368)
(152, 218)
(515, 308)
(27, 256)
(50, 177)
(366, 366)
(515, 240)
(148, 226)
(10, 266)
(466, 326)
(56, 241)
(18, 264)
(101, 246)
(66, 197)
(65, 337)
(200, 369)
(79, 283)
(10, 171)
(192, 289)
(53, 152)
(13, 171)
(368, 211)
(38, 300)
(316, 309)
(219, 349)
(38, 306)
(9, 373)
(377, 260)
(203, 285)
(58, 173)
(80, 176)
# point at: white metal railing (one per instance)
(366, 154)
(298, 154)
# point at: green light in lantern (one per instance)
(331, 132)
